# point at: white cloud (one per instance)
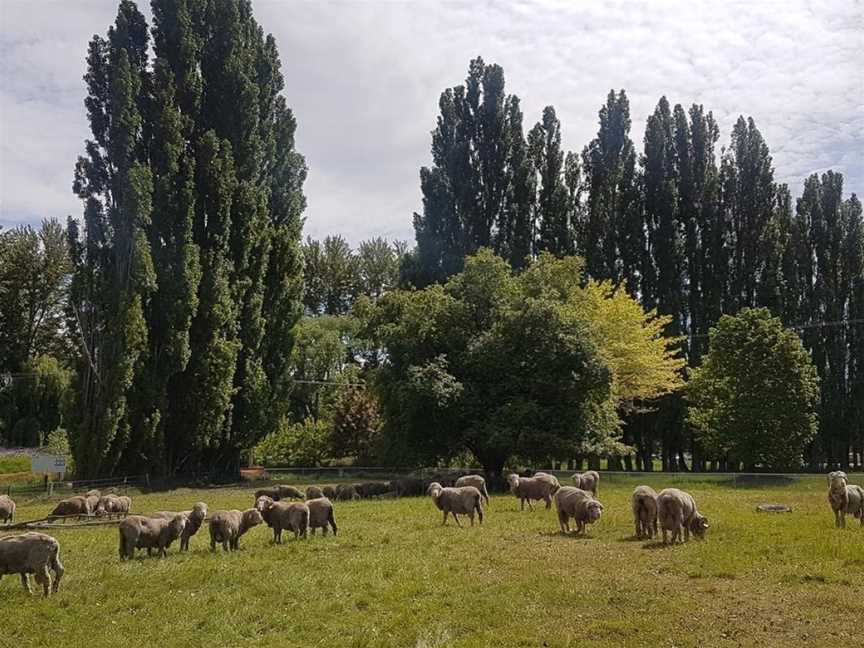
(364, 77)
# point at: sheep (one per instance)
(329, 491)
(589, 481)
(93, 497)
(112, 505)
(142, 532)
(372, 489)
(7, 509)
(465, 500)
(227, 527)
(407, 486)
(281, 516)
(844, 498)
(194, 519)
(572, 502)
(347, 492)
(321, 514)
(314, 492)
(477, 481)
(279, 492)
(32, 553)
(552, 480)
(676, 510)
(531, 488)
(644, 501)
(77, 505)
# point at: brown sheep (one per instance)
(7, 509)
(227, 527)
(194, 520)
(314, 492)
(676, 510)
(279, 492)
(531, 488)
(477, 481)
(321, 514)
(141, 532)
(644, 503)
(407, 486)
(329, 491)
(347, 492)
(587, 481)
(466, 500)
(32, 553)
(572, 502)
(77, 505)
(373, 489)
(284, 516)
(552, 480)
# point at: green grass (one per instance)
(395, 577)
(14, 464)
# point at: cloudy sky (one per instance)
(363, 78)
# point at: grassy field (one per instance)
(395, 577)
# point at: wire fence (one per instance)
(50, 488)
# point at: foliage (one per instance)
(36, 403)
(755, 397)
(295, 444)
(192, 214)
(356, 426)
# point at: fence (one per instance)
(49, 488)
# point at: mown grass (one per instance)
(395, 577)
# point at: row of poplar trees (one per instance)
(689, 230)
(188, 269)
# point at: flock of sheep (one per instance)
(671, 510)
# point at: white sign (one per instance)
(49, 464)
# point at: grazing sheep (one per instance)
(329, 491)
(347, 492)
(284, 516)
(32, 553)
(550, 479)
(93, 497)
(112, 505)
(7, 509)
(588, 481)
(676, 510)
(373, 489)
(644, 501)
(844, 498)
(477, 481)
(279, 492)
(465, 500)
(314, 492)
(321, 514)
(407, 486)
(194, 520)
(531, 488)
(227, 527)
(141, 532)
(572, 502)
(77, 505)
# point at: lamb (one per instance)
(477, 481)
(347, 492)
(329, 491)
(844, 498)
(321, 514)
(282, 516)
(676, 510)
(227, 527)
(572, 502)
(644, 501)
(589, 481)
(7, 509)
(141, 532)
(465, 500)
(194, 519)
(77, 505)
(314, 492)
(32, 553)
(531, 488)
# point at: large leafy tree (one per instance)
(505, 366)
(193, 202)
(754, 399)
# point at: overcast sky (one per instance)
(364, 78)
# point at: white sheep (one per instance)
(676, 510)
(141, 532)
(465, 500)
(284, 516)
(194, 520)
(32, 553)
(532, 488)
(572, 502)
(477, 481)
(589, 481)
(321, 515)
(7, 509)
(644, 503)
(227, 527)
(844, 498)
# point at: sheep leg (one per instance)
(686, 533)
(456, 517)
(43, 578)
(471, 517)
(225, 546)
(563, 522)
(548, 500)
(57, 566)
(530, 505)
(665, 538)
(25, 581)
(445, 519)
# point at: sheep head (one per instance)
(199, 511)
(594, 510)
(434, 490)
(177, 524)
(837, 480)
(513, 480)
(264, 504)
(251, 517)
(698, 525)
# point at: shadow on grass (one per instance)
(566, 536)
(657, 544)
